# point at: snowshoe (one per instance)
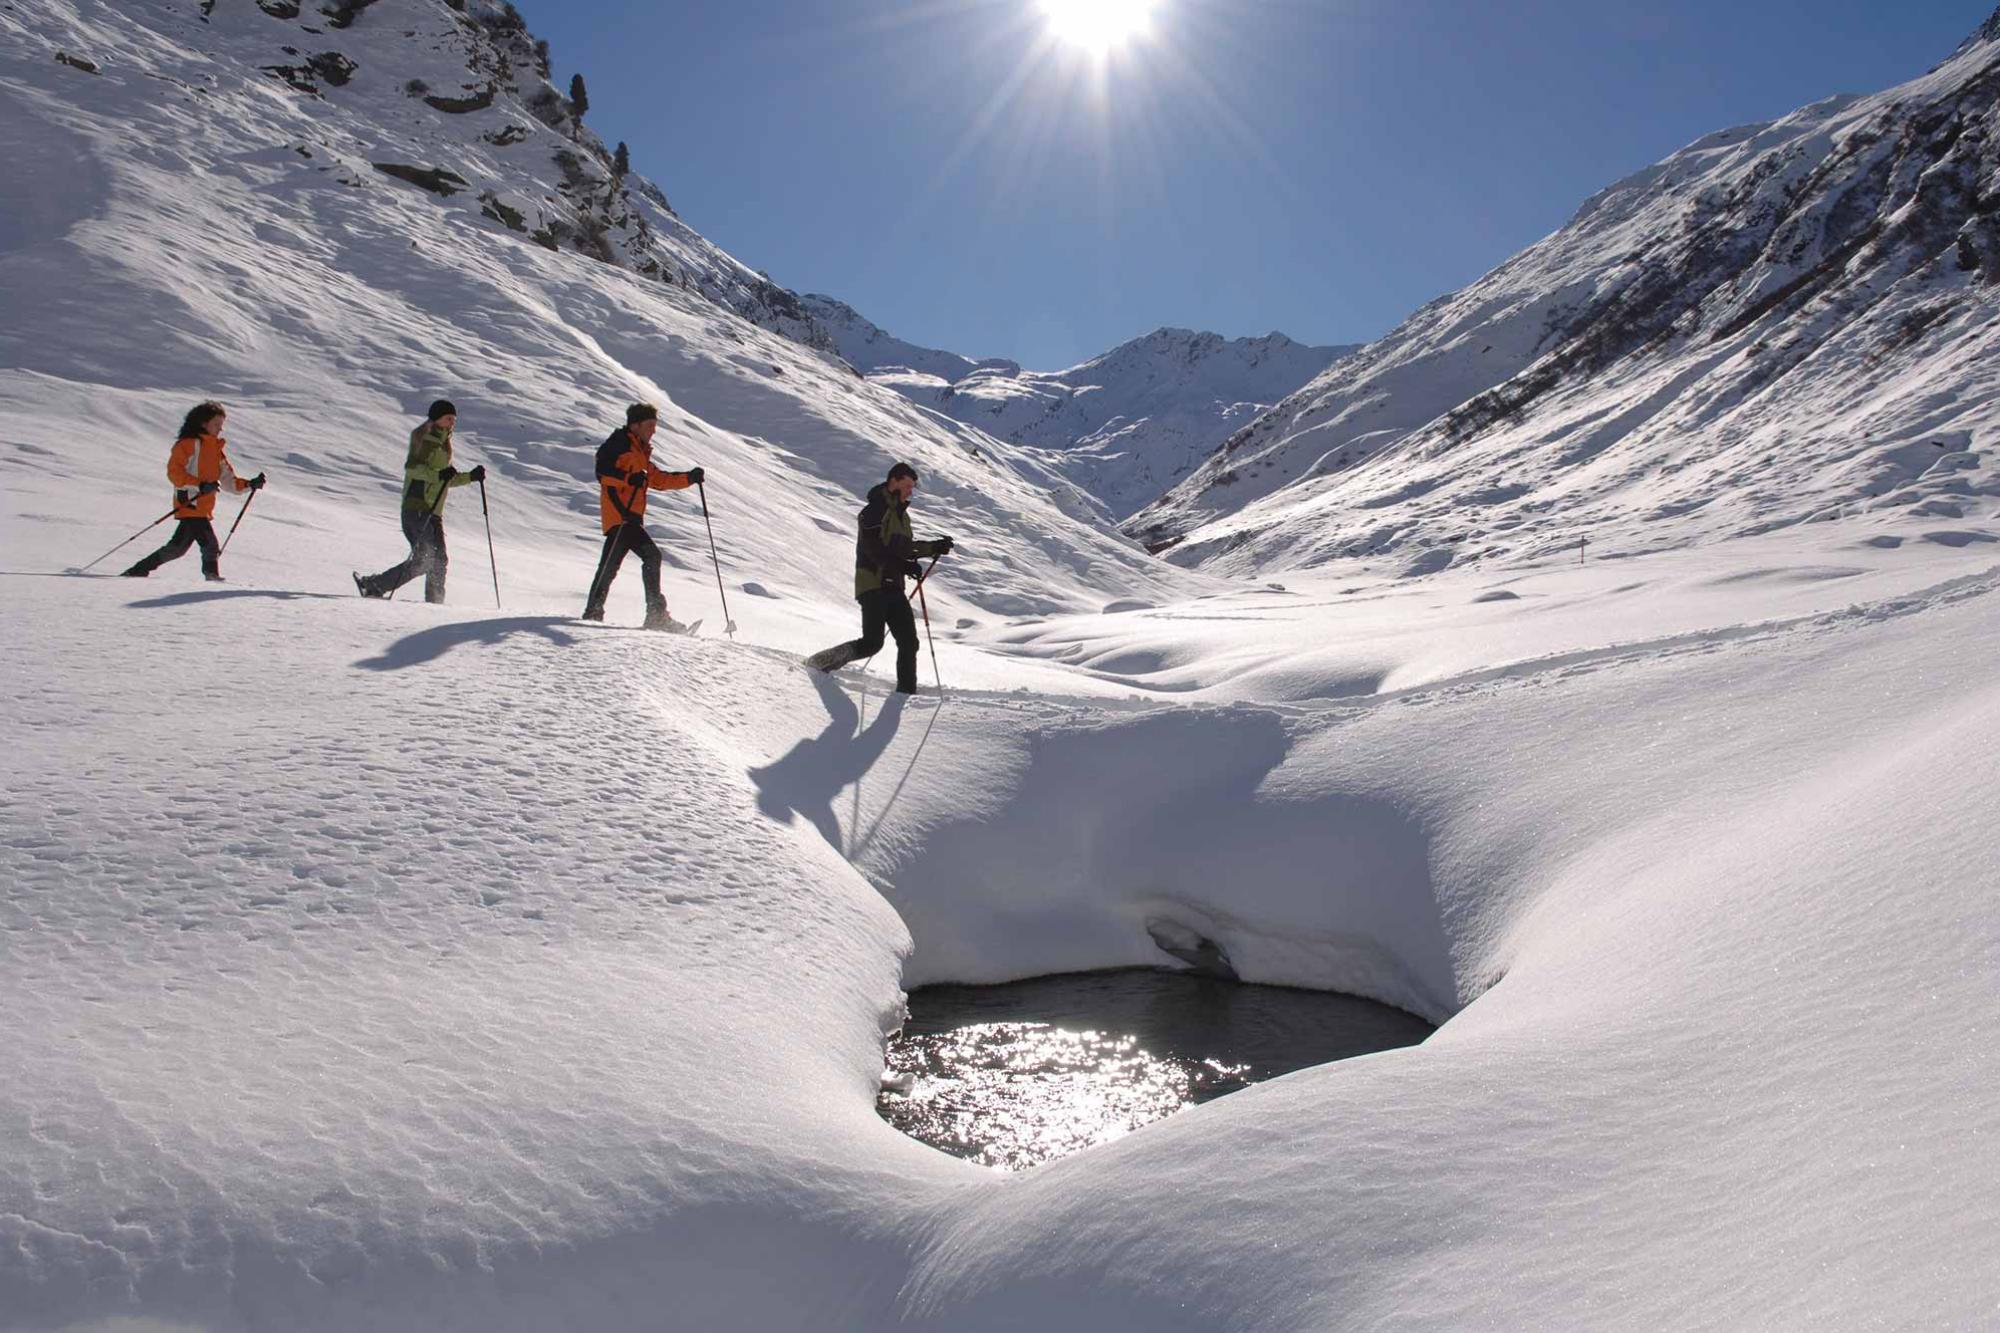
(831, 659)
(659, 619)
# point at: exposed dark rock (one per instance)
(511, 134)
(548, 106)
(342, 13)
(1202, 955)
(458, 106)
(279, 9)
(437, 180)
(329, 66)
(76, 62)
(511, 218)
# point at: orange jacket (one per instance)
(194, 461)
(618, 500)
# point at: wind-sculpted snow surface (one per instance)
(385, 965)
(1780, 323)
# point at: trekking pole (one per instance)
(493, 564)
(921, 578)
(127, 542)
(237, 524)
(703, 488)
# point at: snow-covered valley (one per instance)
(376, 964)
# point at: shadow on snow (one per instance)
(807, 778)
(430, 644)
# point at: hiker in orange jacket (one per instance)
(198, 466)
(625, 472)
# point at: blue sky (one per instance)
(1320, 167)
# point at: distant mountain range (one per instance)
(1123, 426)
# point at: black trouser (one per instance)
(889, 608)
(191, 532)
(627, 538)
(425, 531)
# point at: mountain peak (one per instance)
(1988, 31)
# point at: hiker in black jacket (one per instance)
(885, 553)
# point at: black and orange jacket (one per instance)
(618, 500)
(195, 460)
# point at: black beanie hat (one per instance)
(442, 408)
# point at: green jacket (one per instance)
(885, 550)
(430, 454)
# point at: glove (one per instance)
(914, 570)
(942, 546)
(478, 473)
(446, 473)
(257, 482)
(635, 478)
(695, 476)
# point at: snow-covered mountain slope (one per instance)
(1780, 323)
(869, 348)
(200, 226)
(1122, 426)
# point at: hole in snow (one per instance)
(1016, 1075)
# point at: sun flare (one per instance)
(1098, 26)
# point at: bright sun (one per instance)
(1097, 26)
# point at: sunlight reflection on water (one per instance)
(1017, 1075)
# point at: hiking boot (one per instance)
(593, 613)
(657, 618)
(831, 659)
(366, 587)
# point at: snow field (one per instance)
(391, 987)
(382, 965)
(358, 986)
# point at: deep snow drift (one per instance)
(450, 969)
(382, 965)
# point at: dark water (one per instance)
(1013, 1076)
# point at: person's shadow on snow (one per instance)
(174, 599)
(807, 778)
(429, 644)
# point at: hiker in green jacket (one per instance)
(427, 475)
(886, 552)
